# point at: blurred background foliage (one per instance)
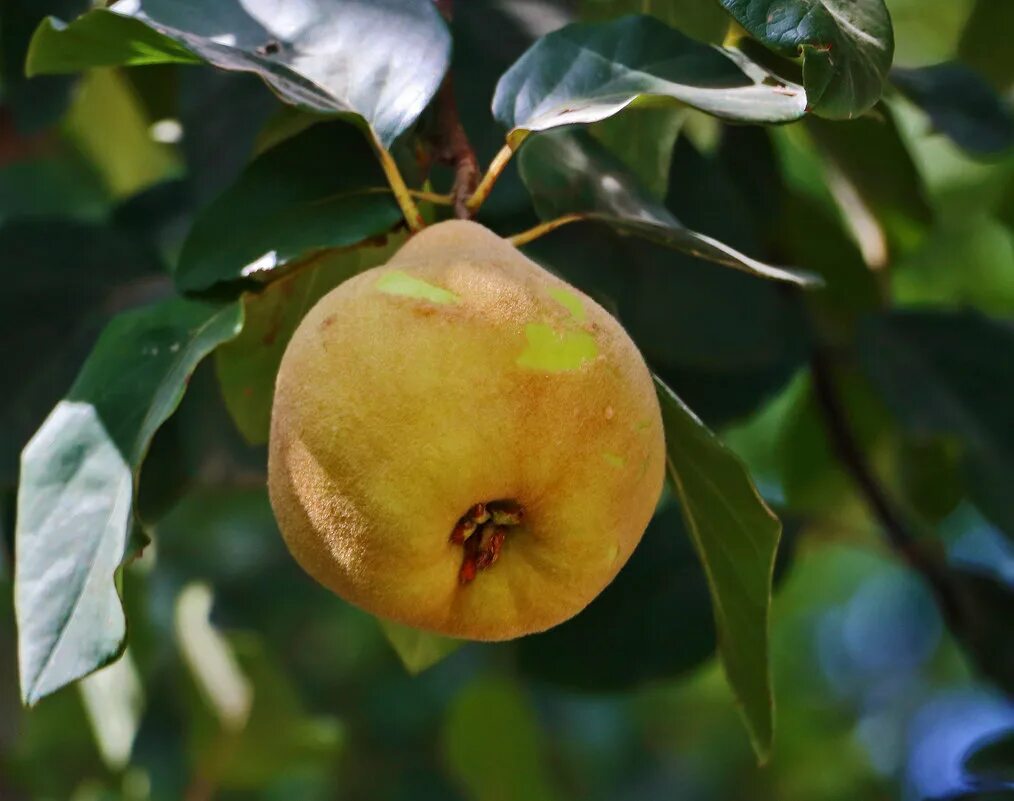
(244, 679)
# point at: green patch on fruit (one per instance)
(570, 302)
(401, 283)
(614, 459)
(556, 352)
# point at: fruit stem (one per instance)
(543, 228)
(402, 194)
(497, 166)
(452, 147)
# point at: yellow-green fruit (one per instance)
(461, 373)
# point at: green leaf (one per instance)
(377, 62)
(77, 483)
(417, 649)
(587, 72)
(872, 175)
(643, 139)
(247, 366)
(493, 743)
(736, 537)
(927, 31)
(949, 373)
(124, 154)
(964, 262)
(961, 105)
(318, 190)
(812, 476)
(847, 47)
(569, 172)
(664, 578)
(701, 19)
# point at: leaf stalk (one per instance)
(542, 229)
(496, 167)
(402, 194)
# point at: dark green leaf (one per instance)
(810, 235)
(318, 190)
(987, 630)
(63, 281)
(722, 339)
(569, 172)
(985, 44)
(736, 537)
(77, 484)
(847, 47)
(62, 184)
(949, 373)
(247, 366)
(587, 72)
(873, 175)
(35, 105)
(929, 475)
(643, 139)
(613, 644)
(961, 105)
(222, 114)
(702, 19)
(381, 62)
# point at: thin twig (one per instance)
(896, 531)
(452, 147)
(543, 228)
(450, 142)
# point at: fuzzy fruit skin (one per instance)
(399, 405)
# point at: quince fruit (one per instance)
(462, 442)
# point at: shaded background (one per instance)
(244, 679)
